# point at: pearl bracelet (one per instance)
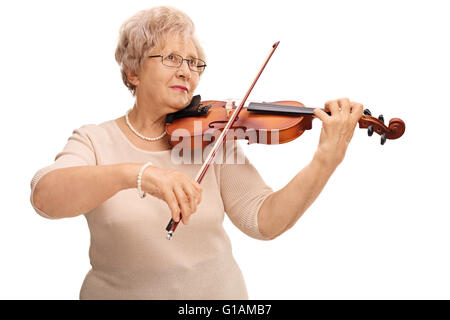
(139, 180)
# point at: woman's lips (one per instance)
(180, 88)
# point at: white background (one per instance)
(380, 228)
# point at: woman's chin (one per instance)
(179, 104)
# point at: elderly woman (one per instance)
(105, 171)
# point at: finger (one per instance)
(183, 202)
(332, 106)
(193, 204)
(344, 105)
(196, 197)
(192, 195)
(357, 111)
(197, 190)
(322, 115)
(172, 202)
(198, 187)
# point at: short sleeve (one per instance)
(79, 151)
(243, 192)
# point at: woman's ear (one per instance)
(132, 77)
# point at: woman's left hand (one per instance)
(337, 129)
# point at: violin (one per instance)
(267, 123)
(286, 119)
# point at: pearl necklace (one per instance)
(140, 135)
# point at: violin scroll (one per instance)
(395, 129)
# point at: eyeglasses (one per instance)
(175, 61)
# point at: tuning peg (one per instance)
(367, 112)
(370, 130)
(381, 118)
(383, 138)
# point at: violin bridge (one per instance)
(229, 107)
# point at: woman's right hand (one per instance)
(181, 193)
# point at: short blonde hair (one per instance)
(146, 30)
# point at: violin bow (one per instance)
(171, 227)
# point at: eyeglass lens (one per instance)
(175, 60)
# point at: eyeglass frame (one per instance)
(181, 63)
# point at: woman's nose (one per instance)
(183, 70)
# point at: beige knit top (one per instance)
(129, 253)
